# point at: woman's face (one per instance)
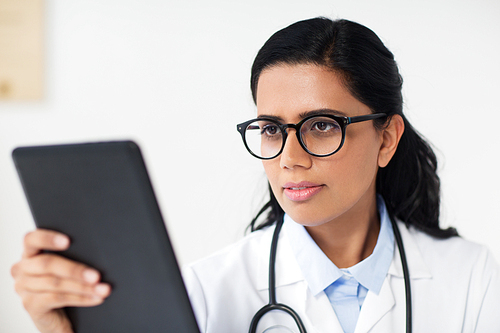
(317, 190)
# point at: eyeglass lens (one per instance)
(320, 135)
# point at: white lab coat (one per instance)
(455, 288)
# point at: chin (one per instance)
(307, 219)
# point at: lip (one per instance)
(301, 191)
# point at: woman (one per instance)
(341, 160)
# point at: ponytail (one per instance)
(410, 185)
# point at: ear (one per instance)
(390, 139)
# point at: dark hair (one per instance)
(409, 183)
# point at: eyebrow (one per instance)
(305, 114)
(320, 112)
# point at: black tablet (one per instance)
(100, 195)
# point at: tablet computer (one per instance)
(100, 195)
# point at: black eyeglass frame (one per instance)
(342, 121)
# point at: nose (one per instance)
(293, 155)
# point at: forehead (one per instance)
(287, 91)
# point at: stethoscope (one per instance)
(274, 305)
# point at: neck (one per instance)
(350, 238)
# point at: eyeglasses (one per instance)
(319, 135)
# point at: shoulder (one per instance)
(453, 253)
(456, 274)
(453, 266)
(231, 267)
(226, 280)
(242, 253)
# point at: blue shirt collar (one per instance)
(320, 272)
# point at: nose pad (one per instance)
(293, 154)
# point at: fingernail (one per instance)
(102, 289)
(90, 275)
(61, 241)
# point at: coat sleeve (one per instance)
(196, 296)
(488, 300)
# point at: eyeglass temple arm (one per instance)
(351, 120)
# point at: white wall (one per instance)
(173, 75)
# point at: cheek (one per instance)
(272, 170)
(358, 163)
(274, 174)
(355, 171)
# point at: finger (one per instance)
(55, 322)
(41, 239)
(39, 303)
(54, 284)
(53, 264)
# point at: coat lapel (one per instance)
(316, 312)
(321, 315)
(383, 306)
(375, 307)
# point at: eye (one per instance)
(270, 130)
(324, 126)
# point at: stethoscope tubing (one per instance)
(273, 304)
(406, 274)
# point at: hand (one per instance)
(48, 282)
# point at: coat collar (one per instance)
(416, 264)
(288, 270)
